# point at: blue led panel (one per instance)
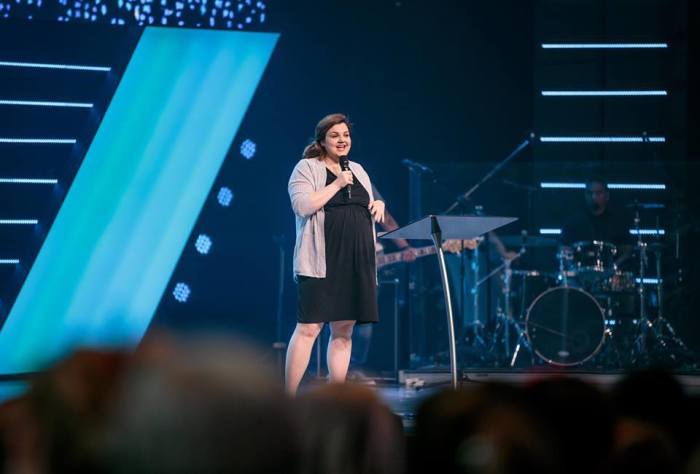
(108, 257)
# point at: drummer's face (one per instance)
(597, 197)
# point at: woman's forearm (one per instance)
(317, 199)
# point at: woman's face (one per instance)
(337, 142)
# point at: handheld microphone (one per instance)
(345, 166)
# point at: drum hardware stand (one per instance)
(611, 343)
(562, 277)
(504, 316)
(522, 336)
(646, 325)
(611, 346)
(660, 317)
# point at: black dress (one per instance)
(349, 291)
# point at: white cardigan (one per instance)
(309, 175)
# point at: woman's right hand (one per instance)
(344, 179)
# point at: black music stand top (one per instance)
(451, 227)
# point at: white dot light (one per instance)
(203, 244)
(248, 148)
(225, 196)
(181, 292)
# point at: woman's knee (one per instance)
(342, 329)
(308, 330)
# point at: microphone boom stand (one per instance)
(459, 202)
(487, 176)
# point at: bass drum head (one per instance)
(565, 326)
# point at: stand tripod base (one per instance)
(658, 343)
(504, 325)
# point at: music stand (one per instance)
(437, 228)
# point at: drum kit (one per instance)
(593, 311)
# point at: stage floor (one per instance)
(404, 401)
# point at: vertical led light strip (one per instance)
(113, 246)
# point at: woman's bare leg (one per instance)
(339, 349)
(299, 353)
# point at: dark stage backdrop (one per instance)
(451, 83)
(445, 81)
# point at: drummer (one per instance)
(598, 221)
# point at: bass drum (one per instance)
(526, 285)
(565, 326)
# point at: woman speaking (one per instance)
(334, 252)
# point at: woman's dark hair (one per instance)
(315, 149)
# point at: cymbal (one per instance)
(529, 241)
(645, 205)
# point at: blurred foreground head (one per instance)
(482, 429)
(59, 424)
(189, 405)
(580, 421)
(205, 405)
(345, 429)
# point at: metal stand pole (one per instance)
(436, 234)
(475, 295)
(509, 316)
(318, 355)
(493, 171)
(280, 346)
(478, 325)
(644, 323)
(660, 318)
(642, 247)
(417, 320)
(396, 328)
(659, 287)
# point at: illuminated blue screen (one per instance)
(114, 244)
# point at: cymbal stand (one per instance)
(504, 315)
(645, 324)
(522, 340)
(660, 318)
